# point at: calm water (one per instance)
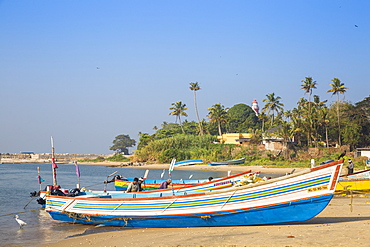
(18, 180)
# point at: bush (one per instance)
(118, 158)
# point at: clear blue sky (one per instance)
(86, 71)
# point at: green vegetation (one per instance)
(114, 158)
(122, 143)
(98, 159)
(118, 158)
(319, 131)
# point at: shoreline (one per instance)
(222, 168)
(336, 225)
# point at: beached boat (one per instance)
(188, 162)
(228, 162)
(152, 184)
(216, 184)
(358, 181)
(206, 185)
(292, 198)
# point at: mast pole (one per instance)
(54, 170)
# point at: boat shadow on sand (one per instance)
(334, 219)
(319, 221)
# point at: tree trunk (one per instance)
(339, 138)
(219, 128)
(326, 136)
(196, 112)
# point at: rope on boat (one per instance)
(78, 216)
(20, 212)
(205, 217)
(228, 199)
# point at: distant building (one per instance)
(235, 138)
(271, 141)
(362, 152)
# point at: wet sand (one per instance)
(335, 226)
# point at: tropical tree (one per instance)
(240, 118)
(178, 109)
(337, 87)
(285, 131)
(218, 114)
(273, 104)
(307, 86)
(121, 143)
(362, 110)
(263, 118)
(194, 86)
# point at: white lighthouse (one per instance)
(255, 107)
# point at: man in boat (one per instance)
(164, 184)
(210, 179)
(135, 186)
(56, 191)
(350, 167)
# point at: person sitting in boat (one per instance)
(210, 179)
(134, 186)
(57, 192)
(164, 184)
(350, 167)
(141, 180)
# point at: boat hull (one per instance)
(122, 185)
(297, 211)
(229, 162)
(292, 198)
(188, 185)
(353, 184)
(359, 181)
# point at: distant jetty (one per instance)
(30, 157)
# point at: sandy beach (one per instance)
(232, 168)
(345, 222)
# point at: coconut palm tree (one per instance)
(218, 114)
(337, 87)
(263, 117)
(273, 104)
(285, 131)
(194, 86)
(307, 86)
(178, 109)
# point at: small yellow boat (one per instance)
(359, 181)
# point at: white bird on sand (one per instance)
(20, 222)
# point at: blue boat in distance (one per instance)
(188, 162)
(228, 162)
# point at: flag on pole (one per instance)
(38, 176)
(53, 163)
(40, 179)
(77, 170)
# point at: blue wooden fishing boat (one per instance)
(154, 184)
(228, 162)
(188, 162)
(292, 198)
(200, 185)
